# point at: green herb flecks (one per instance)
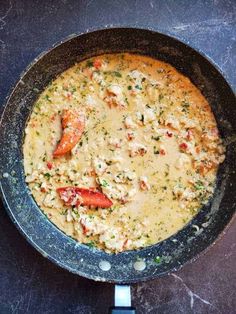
(185, 106)
(46, 97)
(47, 175)
(157, 259)
(89, 63)
(63, 212)
(103, 183)
(160, 97)
(155, 150)
(156, 138)
(117, 74)
(90, 244)
(199, 186)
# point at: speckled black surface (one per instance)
(31, 284)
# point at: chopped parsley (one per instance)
(142, 118)
(199, 186)
(160, 97)
(117, 74)
(47, 175)
(156, 138)
(47, 98)
(63, 212)
(90, 244)
(89, 63)
(103, 183)
(155, 150)
(157, 259)
(138, 87)
(185, 106)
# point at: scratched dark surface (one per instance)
(28, 282)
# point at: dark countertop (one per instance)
(30, 283)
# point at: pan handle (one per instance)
(122, 301)
(122, 310)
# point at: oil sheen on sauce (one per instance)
(150, 144)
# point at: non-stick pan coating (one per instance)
(47, 238)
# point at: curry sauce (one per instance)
(149, 145)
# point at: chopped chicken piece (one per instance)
(44, 187)
(32, 177)
(91, 225)
(115, 96)
(98, 77)
(188, 123)
(182, 161)
(116, 160)
(137, 76)
(125, 176)
(172, 121)
(115, 142)
(146, 117)
(129, 123)
(184, 193)
(99, 165)
(149, 116)
(116, 191)
(131, 194)
(152, 91)
(90, 101)
(115, 90)
(188, 195)
(113, 239)
(69, 216)
(51, 200)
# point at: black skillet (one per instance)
(80, 259)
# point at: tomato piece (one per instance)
(162, 152)
(49, 165)
(97, 64)
(183, 146)
(72, 129)
(130, 136)
(75, 196)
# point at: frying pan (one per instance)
(131, 266)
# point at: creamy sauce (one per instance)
(150, 144)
